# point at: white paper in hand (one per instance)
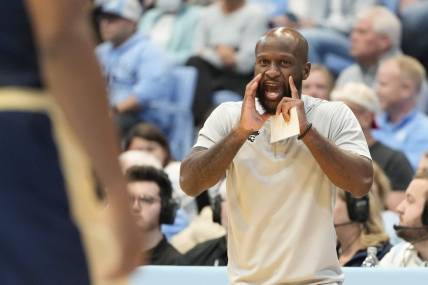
(280, 129)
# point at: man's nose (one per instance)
(135, 207)
(273, 72)
(354, 36)
(400, 208)
(104, 22)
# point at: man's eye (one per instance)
(147, 200)
(263, 62)
(285, 62)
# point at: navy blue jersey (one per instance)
(18, 55)
(39, 242)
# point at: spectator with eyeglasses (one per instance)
(150, 199)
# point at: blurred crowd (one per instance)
(370, 54)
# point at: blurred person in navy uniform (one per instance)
(53, 114)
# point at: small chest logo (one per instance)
(253, 136)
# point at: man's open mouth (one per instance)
(272, 90)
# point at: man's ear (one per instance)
(385, 43)
(306, 70)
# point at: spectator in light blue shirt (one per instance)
(402, 125)
(137, 71)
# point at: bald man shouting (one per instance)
(280, 195)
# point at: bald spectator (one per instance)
(363, 102)
(402, 125)
(319, 83)
(376, 35)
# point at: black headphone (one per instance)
(358, 208)
(168, 205)
(126, 140)
(425, 214)
(216, 208)
(168, 211)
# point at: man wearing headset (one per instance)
(358, 225)
(150, 196)
(413, 227)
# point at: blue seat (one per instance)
(180, 223)
(222, 96)
(181, 133)
(392, 5)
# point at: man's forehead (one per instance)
(388, 69)
(144, 187)
(284, 42)
(389, 65)
(364, 22)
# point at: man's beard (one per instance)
(270, 106)
(412, 234)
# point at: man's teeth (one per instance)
(272, 87)
(272, 95)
